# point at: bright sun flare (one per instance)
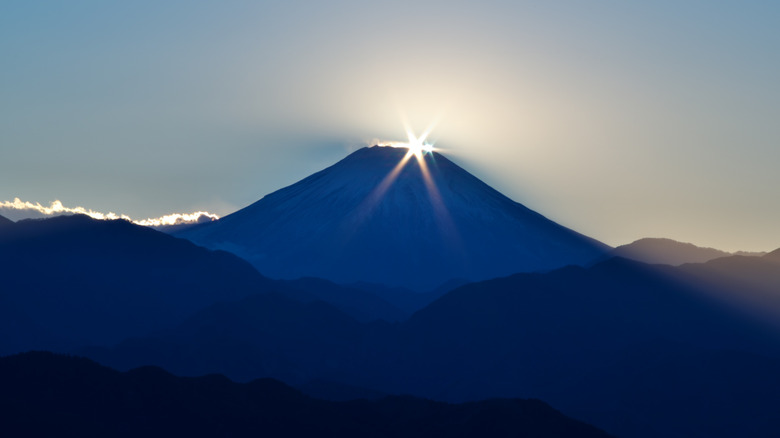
(417, 145)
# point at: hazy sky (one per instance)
(619, 119)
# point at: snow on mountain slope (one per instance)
(354, 222)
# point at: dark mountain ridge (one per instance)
(71, 275)
(4, 221)
(620, 344)
(750, 283)
(45, 394)
(585, 339)
(360, 304)
(74, 281)
(667, 252)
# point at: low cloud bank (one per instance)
(18, 209)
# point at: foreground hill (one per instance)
(365, 219)
(45, 394)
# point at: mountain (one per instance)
(73, 280)
(371, 218)
(756, 279)
(263, 335)
(647, 343)
(671, 252)
(51, 395)
(588, 340)
(690, 393)
(565, 317)
(4, 222)
(666, 252)
(358, 303)
(407, 300)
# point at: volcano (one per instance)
(384, 215)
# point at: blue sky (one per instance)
(618, 119)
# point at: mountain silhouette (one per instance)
(363, 306)
(607, 330)
(51, 395)
(405, 299)
(81, 281)
(71, 281)
(353, 222)
(639, 350)
(4, 221)
(264, 335)
(667, 252)
(751, 283)
(584, 339)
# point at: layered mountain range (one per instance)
(638, 350)
(671, 252)
(91, 400)
(610, 344)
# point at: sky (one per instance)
(619, 119)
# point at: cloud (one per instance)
(179, 219)
(18, 209)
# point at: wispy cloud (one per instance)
(18, 209)
(178, 219)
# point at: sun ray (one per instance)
(368, 205)
(445, 223)
(422, 151)
(428, 130)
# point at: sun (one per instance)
(417, 145)
(418, 148)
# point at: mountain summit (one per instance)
(384, 215)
